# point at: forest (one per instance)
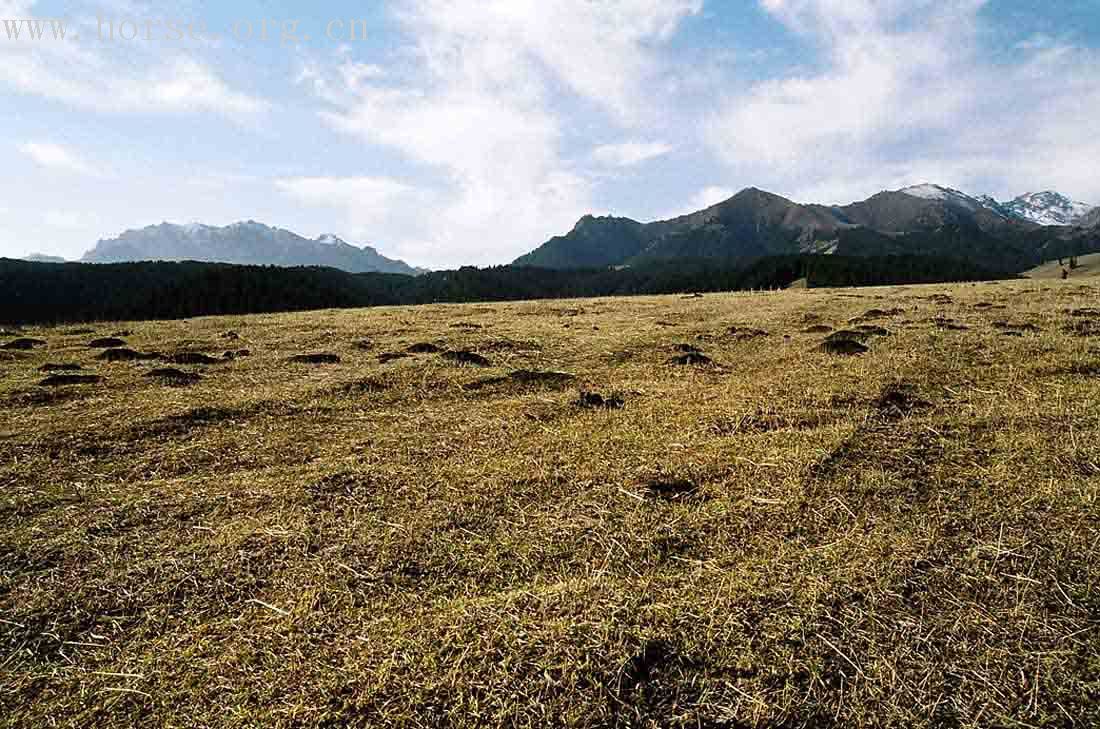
(50, 293)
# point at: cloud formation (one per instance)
(480, 103)
(628, 154)
(56, 157)
(907, 95)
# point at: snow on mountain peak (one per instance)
(328, 239)
(1047, 208)
(939, 192)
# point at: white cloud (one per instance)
(627, 154)
(56, 157)
(709, 196)
(369, 203)
(701, 200)
(908, 95)
(480, 95)
(120, 80)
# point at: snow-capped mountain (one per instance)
(1047, 208)
(1041, 208)
(249, 243)
(945, 194)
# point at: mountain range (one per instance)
(922, 220)
(926, 219)
(248, 243)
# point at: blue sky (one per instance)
(469, 131)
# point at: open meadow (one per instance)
(648, 512)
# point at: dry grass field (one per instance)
(730, 527)
(1089, 268)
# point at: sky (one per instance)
(467, 132)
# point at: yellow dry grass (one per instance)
(785, 539)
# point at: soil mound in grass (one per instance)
(818, 329)
(106, 343)
(23, 344)
(172, 376)
(900, 399)
(746, 333)
(66, 380)
(692, 359)
(193, 358)
(949, 325)
(424, 348)
(123, 354)
(60, 367)
(524, 377)
(1007, 326)
(672, 489)
(596, 401)
(844, 347)
(320, 358)
(464, 357)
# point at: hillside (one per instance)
(657, 511)
(922, 220)
(248, 243)
(1089, 267)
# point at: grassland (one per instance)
(1089, 267)
(779, 538)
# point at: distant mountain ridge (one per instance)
(245, 243)
(921, 220)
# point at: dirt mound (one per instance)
(66, 380)
(899, 399)
(1085, 313)
(692, 359)
(321, 358)
(1006, 326)
(949, 325)
(672, 489)
(387, 357)
(844, 347)
(877, 314)
(23, 343)
(818, 329)
(173, 376)
(128, 355)
(424, 348)
(596, 401)
(849, 335)
(687, 349)
(524, 377)
(238, 354)
(746, 333)
(230, 335)
(106, 343)
(873, 331)
(60, 367)
(467, 358)
(364, 345)
(193, 358)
